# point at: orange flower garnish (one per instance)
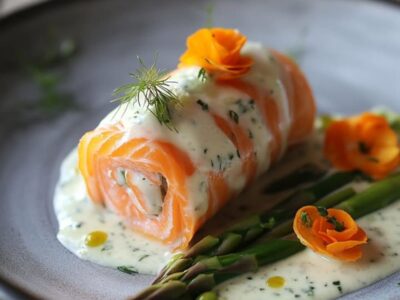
(330, 232)
(217, 50)
(365, 142)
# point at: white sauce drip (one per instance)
(78, 216)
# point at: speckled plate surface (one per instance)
(349, 50)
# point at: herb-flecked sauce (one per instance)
(306, 275)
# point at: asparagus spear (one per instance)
(254, 226)
(210, 271)
(306, 173)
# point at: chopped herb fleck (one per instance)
(231, 156)
(202, 75)
(127, 269)
(322, 211)
(143, 257)
(238, 153)
(219, 161)
(106, 247)
(338, 226)
(305, 219)
(242, 107)
(234, 116)
(205, 150)
(309, 291)
(363, 148)
(78, 225)
(204, 106)
(250, 134)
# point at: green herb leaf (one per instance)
(234, 116)
(363, 147)
(338, 226)
(127, 269)
(202, 75)
(143, 257)
(322, 211)
(305, 219)
(150, 89)
(204, 106)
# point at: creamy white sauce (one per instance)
(77, 216)
(306, 274)
(266, 72)
(310, 276)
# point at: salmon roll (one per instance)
(167, 182)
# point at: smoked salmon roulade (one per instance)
(228, 128)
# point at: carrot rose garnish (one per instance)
(330, 232)
(365, 143)
(217, 50)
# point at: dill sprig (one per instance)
(151, 89)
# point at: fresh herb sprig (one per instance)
(151, 89)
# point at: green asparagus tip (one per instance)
(208, 296)
(203, 246)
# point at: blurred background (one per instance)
(10, 6)
(64, 58)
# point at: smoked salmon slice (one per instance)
(167, 183)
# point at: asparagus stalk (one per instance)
(379, 195)
(210, 271)
(254, 226)
(306, 173)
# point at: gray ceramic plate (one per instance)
(349, 50)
